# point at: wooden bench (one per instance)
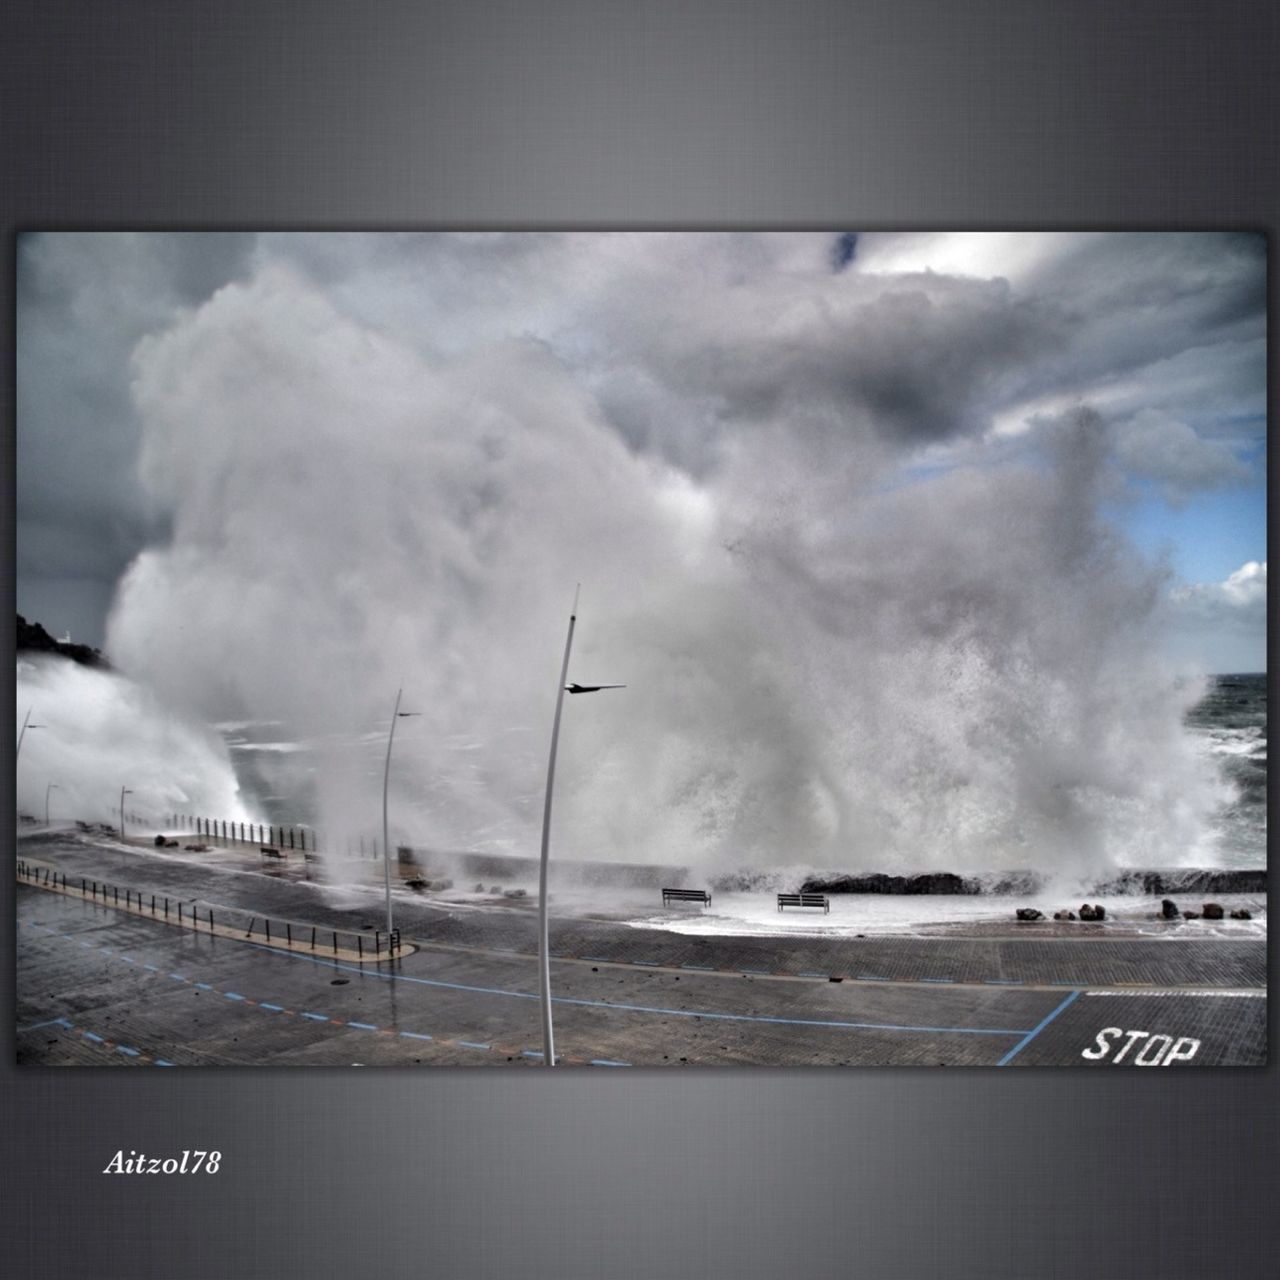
(686, 895)
(803, 900)
(271, 853)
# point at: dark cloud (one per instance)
(84, 301)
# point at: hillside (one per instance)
(32, 636)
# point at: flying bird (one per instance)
(591, 688)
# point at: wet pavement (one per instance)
(99, 985)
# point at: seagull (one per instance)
(591, 688)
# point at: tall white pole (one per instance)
(26, 724)
(386, 846)
(544, 949)
(53, 786)
(124, 791)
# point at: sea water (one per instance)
(1230, 725)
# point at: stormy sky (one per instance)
(854, 505)
(926, 350)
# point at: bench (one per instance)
(803, 900)
(271, 853)
(686, 895)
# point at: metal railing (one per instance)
(194, 913)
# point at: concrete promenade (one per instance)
(103, 985)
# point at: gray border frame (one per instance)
(888, 113)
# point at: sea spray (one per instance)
(827, 663)
(101, 731)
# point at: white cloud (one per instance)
(1158, 446)
(1222, 626)
(1243, 595)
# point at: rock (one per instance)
(478, 889)
(170, 844)
(1029, 913)
(416, 884)
(159, 842)
(1088, 912)
(516, 893)
(931, 882)
(1169, 909)
(1191, 915)
(1212, 911)
(1064, 915)
(1241, 914)
(495, 889)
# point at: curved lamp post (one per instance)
(544, 950)
(53, 786)
(124, 791)
(386, 774)
(26, 724)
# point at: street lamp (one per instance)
(26, 724)
(544, 949)
(53, 786)
(397, 714)
(124, 791)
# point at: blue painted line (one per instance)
(1003, 982)
(471, 1044)
(275, 1008)
(152, 967)
(764, 973)
(1035, 1031)
(204, 986)
(363, 1026)
(636, 1008)
(317, 1017)
(233, 995)
(605, 1062)
(531, 1053)
(872, 977)
(161, 1062)
(90, 1036)
(124, 1048)
(106, 951)
(1059, 982)
(599, 960)
(815, 975)
(415, 1035)
(128, 959)
(87, 944)
(935, 979)
(648, 964)
(704, 968)
(178, 977)
(37, 1026)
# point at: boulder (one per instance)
(1169, 909)
(1240, 913)
(1064, 915)
(1191, 915)
(1088, 912)
(516, 893)
(159, 842)
(1213, 911)
(1029, 913)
